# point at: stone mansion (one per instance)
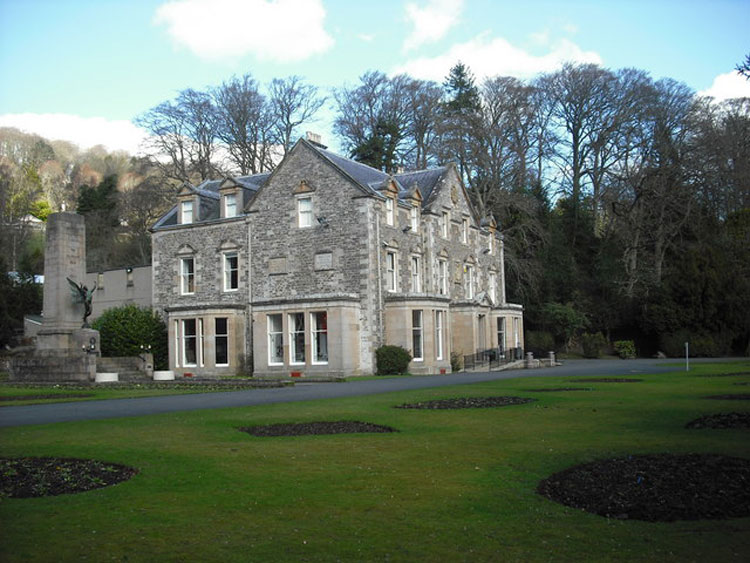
(309, 269)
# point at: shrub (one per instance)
(392, 360)
(457, 362)
(625, 349)
(123, 330)
(539, 342)
(592, 344)
(700, 344)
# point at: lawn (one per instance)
(17, 395)
(450, 485)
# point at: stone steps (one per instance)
(126, 368)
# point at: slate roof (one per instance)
(376, 180)
(208, 193)
(370, 180)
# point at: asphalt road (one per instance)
(117, 408)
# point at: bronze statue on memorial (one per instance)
(82, 294)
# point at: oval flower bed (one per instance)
(721, 420)
(315, 428)
(467, 403)
(655, 487)
(23, 477)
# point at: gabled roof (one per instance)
(209, 196)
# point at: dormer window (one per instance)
(389, 213)
(304, 212)
(186, 209)
(230, 205)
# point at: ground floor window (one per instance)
(439, 335)
(501, 334)
(319, 327)
(516, 333)
(416, 338)
(297, 338)
(275, 341)
(192, 342)
(221, 341)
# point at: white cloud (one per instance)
(487, 56)
(271, 30)
(432, 21)
(729, 85)
(85, 132)
(366, 37)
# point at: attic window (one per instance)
(414, 218)
(187, 212)
(389, 214)
(230, 205)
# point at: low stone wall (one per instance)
(53, 367)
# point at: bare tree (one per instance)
(245, 124)
(373, 119)
(182, 138)
(292, 103)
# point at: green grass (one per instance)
(63, 393)
(449, 486)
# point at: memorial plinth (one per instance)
(65, 350)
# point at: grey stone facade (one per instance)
(334, 259)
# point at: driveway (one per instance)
(116, 408)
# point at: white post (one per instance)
(687, 357)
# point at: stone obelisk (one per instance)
(65, 351)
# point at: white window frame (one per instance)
(417, 334)
(416, 274)
(391, 270)
(177, 344)
(185, 339)
(217, 336)
(272, 361)
(491, 245)
(187, 279)
(316, 332)
(501, 334)
(390, 213)
(442, 277)
(469, 281)
(465, 231)
(186, 212)
(439, 335)
(414, 215)
(227, 270)
(294, 331)
(230, 205)
(304, 215)
(445, 225)
(516, 335)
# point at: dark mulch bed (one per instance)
(23, 477)
(559, 389)
(45, 396)
(606, 380)
(315, 428)
(656, 488)
(721, 420)
(731, 397)
(467, 403)
(734, 373)
(742, 383)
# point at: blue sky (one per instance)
(82, 69)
